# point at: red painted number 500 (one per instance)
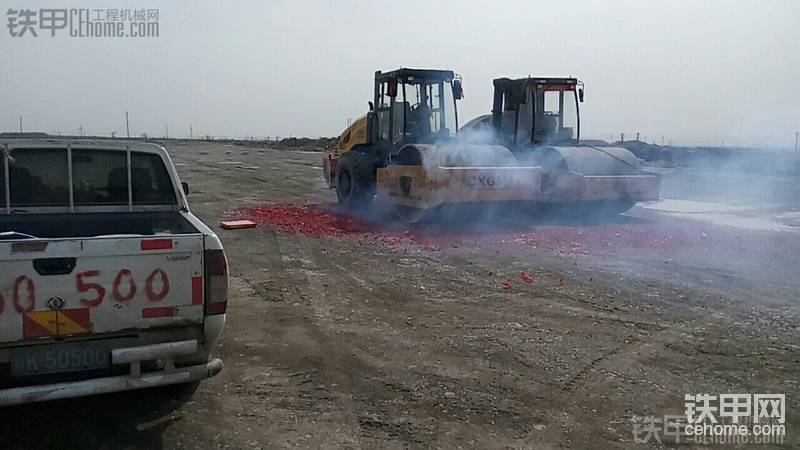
(124, 287)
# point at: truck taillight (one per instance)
(216, 282)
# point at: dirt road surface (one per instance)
(527, 333)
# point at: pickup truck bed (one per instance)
(97, 224)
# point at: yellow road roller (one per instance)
(405, 151)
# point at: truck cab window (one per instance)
(150, 182)
(99, 177)
(38, 177)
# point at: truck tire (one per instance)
(355, 180)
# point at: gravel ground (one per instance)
(522, 334)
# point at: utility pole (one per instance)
(622, 137)
(127, 125)
(166, 131)
(797, 141)
(190, 132)
(20, 124)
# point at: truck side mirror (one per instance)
(185, 187)
(458, 90)
(371, 106)
(580, 94)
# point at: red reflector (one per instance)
(157, 244)
(159, 311)
(197, 290)
(216, 308)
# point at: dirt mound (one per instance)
(318, 145)
(32, 135)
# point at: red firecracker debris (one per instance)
(507, 284)
(560, 281)
(526, 277)
(306, 220)
(325, 220)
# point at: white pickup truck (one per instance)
(107, 281)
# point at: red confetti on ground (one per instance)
(322, 221)
(561, 281)
(526, 277)
(507, 284)
(306, 220)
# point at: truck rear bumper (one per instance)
(135, 380)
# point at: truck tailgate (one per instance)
(65, 287)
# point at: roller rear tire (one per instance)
(411, 215)
(355, 181)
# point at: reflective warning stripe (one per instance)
(56, 323)
(40, 323)
(74, 321)
(158, 311)
(156, 244)
(197, 290)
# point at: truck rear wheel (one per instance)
(355, 180)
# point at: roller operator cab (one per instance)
(539, 120)
(409, 106)
(537, 111)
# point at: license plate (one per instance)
(60, 358)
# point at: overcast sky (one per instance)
(692, 71)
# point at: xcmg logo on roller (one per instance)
(489, 181)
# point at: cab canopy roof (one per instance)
(407, 75)
(536, 82)
(104, 144)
